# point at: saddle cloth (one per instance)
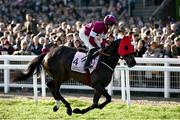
(79, 61)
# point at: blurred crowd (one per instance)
(59, 10)
(30, 27)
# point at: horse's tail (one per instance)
(35, 64)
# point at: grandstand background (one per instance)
(59, 10)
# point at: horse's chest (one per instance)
(101, 78)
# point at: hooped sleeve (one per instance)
(91, 38)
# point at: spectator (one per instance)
(2, 39)
(152, 51)
(2, 27)
(41, 41)
(17, 44)
(30, 24)
(23, 49)
(141, 49)
(34, 46)
(62, 37)
(168, 40)
(69, 40)
(175, 48)
(78, 25)
(167, 51)
(58, 41)
(78, 45)
(7, 48)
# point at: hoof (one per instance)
(55, 108)
(77, 111)
(100, 107)
(69, 111)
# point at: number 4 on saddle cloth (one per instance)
(79, 61)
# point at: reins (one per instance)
(107, 54)
(101, 52)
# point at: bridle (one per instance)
(107, 54)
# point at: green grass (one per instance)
(20, 109)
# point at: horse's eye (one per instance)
(125, 47)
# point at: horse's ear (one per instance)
(125, 46)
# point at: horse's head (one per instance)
(131, 62)
(124, 49)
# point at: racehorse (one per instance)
(57, 63)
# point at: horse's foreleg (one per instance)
(96, 97)
(103, 91)
(108, 99)
(99, 91)
(54, 88)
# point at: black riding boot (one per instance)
(89, 58)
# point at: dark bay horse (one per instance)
(57, 63)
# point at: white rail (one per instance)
(124, 73)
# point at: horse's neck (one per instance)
(110, 61)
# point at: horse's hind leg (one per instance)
(54, 88)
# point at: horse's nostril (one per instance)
(130, 60)
(132, 63)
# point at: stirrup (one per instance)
(86, 68)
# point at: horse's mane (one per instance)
(112, 47)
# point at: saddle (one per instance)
(79, 61)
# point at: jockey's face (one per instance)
(109, 26)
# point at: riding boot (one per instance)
(89, 58)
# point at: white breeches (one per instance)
(85, 39)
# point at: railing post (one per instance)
(43, 85)
(128, 88)
(123, 94)
(129, 8)
(35, 87)
(166, 82)
(110, 86)
(144, 3)
(6, 77)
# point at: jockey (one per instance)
(88, 33)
